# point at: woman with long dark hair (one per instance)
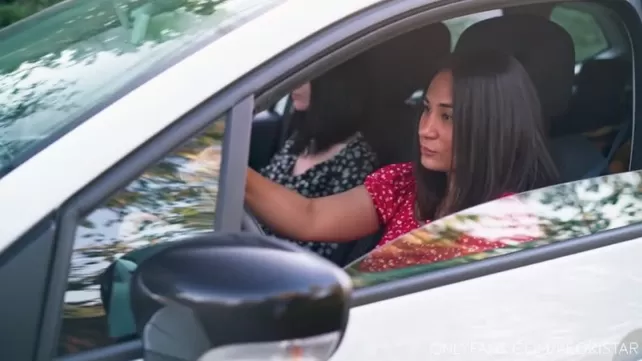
(480, 137)
(326, 153)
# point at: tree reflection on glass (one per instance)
(175, 197)
(57, 68)
(528, 220)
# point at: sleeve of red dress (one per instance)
(383, 186)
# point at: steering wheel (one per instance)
(250, 224)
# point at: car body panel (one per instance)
(578, 307)
(69, 164)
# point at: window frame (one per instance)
(631, 22)
(273, 80)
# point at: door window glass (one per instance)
(588, 37)
(172, 198)
(511, 224)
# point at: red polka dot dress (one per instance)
(392, 189)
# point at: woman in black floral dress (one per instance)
(326, 153)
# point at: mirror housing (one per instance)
(239, 296)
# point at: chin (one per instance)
(434, 164)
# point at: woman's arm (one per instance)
(338, 218)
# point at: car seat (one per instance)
(546, 51)
(397, 68)
(544, 48)
(601, 110)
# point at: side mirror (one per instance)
(239, 296)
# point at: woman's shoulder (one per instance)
(395, 172)
(394, 177)
(389, 187)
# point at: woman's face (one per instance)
(301, 97)
(435, 125)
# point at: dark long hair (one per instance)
(336, 111)
(498, 144)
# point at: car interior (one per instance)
(587, 104)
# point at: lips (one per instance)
(427, 151)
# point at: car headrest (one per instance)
(599, 99)
(543, 47)
(404, 64)
(396, 69)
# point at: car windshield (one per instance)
(63, 64)
(506, 225)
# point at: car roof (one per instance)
(130, 121)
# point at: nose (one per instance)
(428, 126)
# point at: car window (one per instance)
(506, 225)
(172, 198)
(459, 24)
(587, 35)
(64, 62)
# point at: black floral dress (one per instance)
(346, 170)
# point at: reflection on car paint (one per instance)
(523, 221)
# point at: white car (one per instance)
(126, 128)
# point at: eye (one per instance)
(446, 117)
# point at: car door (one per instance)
(566, 285)
(136, 168)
